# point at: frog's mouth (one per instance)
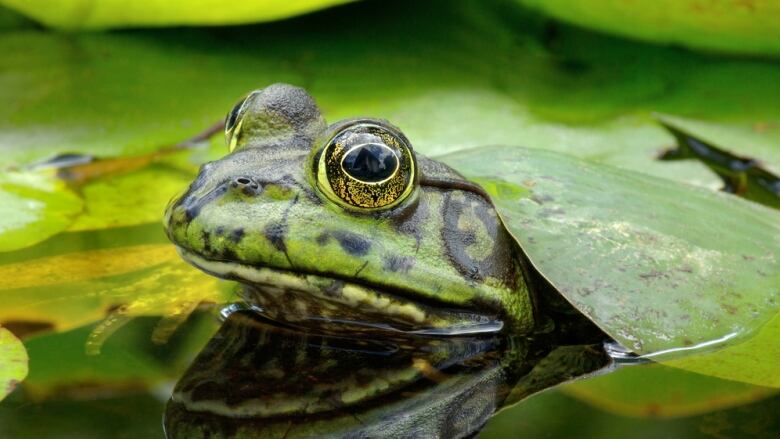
(336, 304)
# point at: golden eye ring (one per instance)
(366, 165)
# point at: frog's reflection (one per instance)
(258, 379)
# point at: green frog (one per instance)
(346, 228)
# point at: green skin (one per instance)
(438, 261)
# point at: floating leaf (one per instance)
(81, 283)
(33, 207)
(130, 199)
(662, 267)
(90, 14)
(13, 362)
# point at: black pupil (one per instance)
(370, 162)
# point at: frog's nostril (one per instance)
(247, 185)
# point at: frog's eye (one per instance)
(366, 165)
(233, 121)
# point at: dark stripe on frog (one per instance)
(276, 232)
(351, 243)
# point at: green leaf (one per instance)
(751, 26)
(752, 361)
(106, 276)
(130, 199)
(13, 362)
(654, 390)
(664, 268)
(554, 415)
(33, 207)
(101, 14)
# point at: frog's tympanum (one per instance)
(344, 226)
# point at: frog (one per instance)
(344, 226)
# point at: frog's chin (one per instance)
(331, 304)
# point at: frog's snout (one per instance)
(246, 185)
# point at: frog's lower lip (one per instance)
(342, 305)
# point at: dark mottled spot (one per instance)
(236, 235)
(276, 233)
(322, 239)
(219, 231)
(353, 244)
(399, 264)
(687, 341)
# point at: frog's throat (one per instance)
(340, 305)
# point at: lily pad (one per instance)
(751, 26)
(110, 276)
(665, 268)
(33, 207)
(130, 199)
(13, 362)
(101, 14)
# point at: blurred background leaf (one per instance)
(101, 14)
(743, 26)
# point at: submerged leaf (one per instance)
(655, 390)
(13, 362)
(752, 361)
(662, 267)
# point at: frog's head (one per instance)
(344, 226)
